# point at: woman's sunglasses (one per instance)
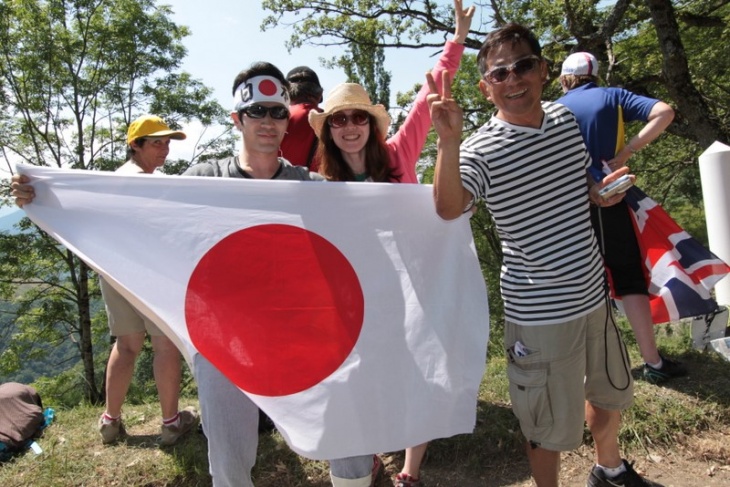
(277, 112)
(340, 119)
(499, 74)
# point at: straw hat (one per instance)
(349, 96)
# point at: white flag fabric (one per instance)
(350, 313)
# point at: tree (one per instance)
(73, 75)
(669, 50)
(364, 63)
(640, 44)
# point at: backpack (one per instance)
(21, 417)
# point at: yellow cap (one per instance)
(151, 126)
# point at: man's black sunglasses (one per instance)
(277, 112)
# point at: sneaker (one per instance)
(629, 478)
(405, 480)
(110, 431)
(670, 368)
(189, 419)
(377, 468)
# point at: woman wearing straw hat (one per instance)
(352, 131)
(352, 147)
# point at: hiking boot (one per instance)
(110, 431)
(188, 420)
(629, 478)
(669, 369)
(405, 480)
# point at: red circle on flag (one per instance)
(267, 87)
(276, 308)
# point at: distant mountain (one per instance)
(9, 217)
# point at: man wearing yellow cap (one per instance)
(148, 143)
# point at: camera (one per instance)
(619, 186)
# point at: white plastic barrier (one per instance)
(715, 177)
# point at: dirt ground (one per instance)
(699, 462)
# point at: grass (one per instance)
(665, 417)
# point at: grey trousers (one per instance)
(230, 421)
(359, 467)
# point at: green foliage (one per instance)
(143, 388)
(317, 22)
(73, 454)
(73, 75)
(363, 63)
(680, 60)
(685, 418)
(64, 390)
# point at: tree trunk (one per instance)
(696, 117)
(87, 353)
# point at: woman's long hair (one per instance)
(377, 159)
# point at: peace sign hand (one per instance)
(446, 115)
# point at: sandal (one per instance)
(405, 480)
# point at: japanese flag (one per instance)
(351, 313)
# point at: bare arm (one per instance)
(660, 116)
(450, 196)
(463, 21)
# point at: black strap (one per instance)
(312, 150)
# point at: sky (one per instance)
(227, 38)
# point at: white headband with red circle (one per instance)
(259, 89)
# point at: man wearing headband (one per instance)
(230, 418)
(261, 114)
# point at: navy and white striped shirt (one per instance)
(533, 182)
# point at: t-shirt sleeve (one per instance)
(472, 178)
(635, 107)
(201, 169)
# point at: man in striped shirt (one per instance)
(567, 362)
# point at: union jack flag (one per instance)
(680, 271)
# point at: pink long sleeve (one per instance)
(405, 146)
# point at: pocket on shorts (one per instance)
(528, 389)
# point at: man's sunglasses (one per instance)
(498, 74)
(340, 119)
(277, 112)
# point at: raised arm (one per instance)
(463, 21)
(406, 145)
(449, 194)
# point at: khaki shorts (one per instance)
(563, 366)
(123, 318)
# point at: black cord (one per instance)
(609, 316)
(621, 346)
